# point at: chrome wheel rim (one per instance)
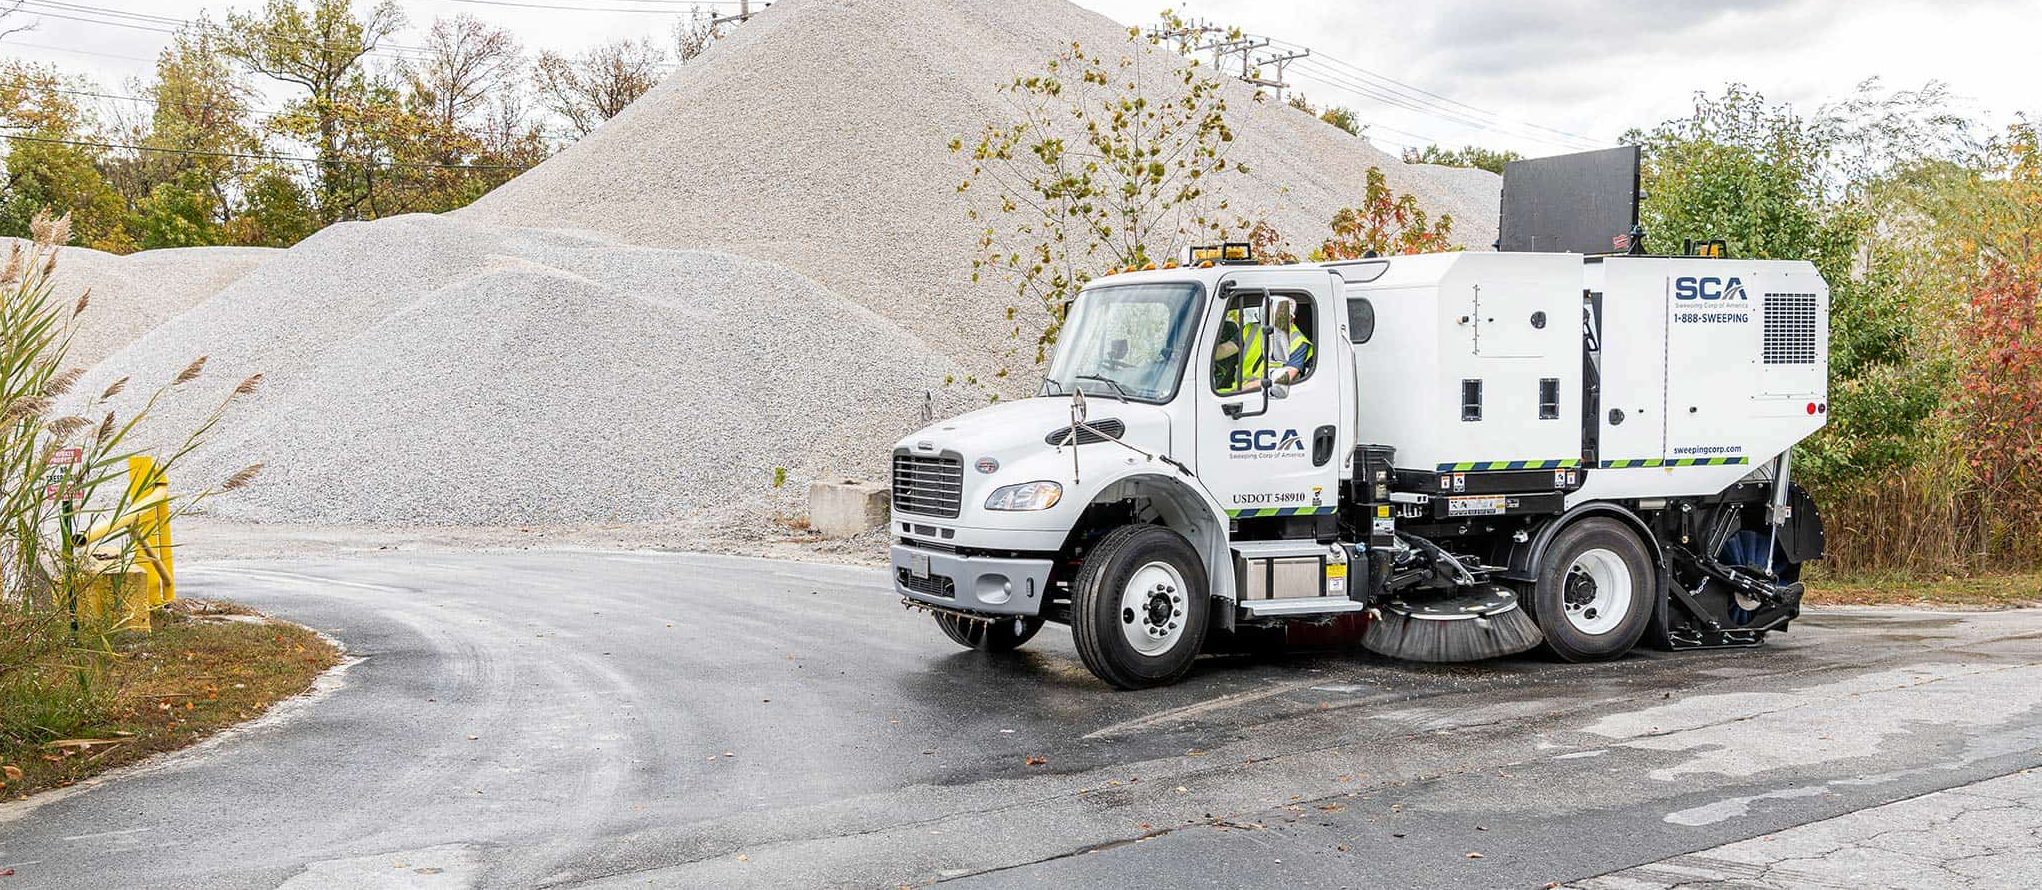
(1152, 609)
(1597, 592)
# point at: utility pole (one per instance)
(744, 11)
(1280, 63)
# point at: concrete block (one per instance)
(843, 509)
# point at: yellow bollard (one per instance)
(123, 597)
(149, 492)
(120, 599)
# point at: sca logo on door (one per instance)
(1265, 440)
(1692, 288)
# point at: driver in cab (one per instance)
(1245, 342)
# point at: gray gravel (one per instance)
(132, 294)
(761, 264)
(424, 370)
(816, 136)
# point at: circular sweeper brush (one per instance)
(1463, 625)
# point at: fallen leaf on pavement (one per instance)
(1036, 761)
(1474, 855)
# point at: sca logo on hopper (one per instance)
(1712, 289)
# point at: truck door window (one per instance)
(1237, 359)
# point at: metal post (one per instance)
(1776, 513)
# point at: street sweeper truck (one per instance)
(1471, 454)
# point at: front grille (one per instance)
(1790, 328)
(934, 585)
(1089, 434)
(928, 485)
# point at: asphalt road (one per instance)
(607, 719)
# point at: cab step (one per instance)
(1311, 605)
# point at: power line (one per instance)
(1445, 106)
(82, 52)
(167, 25)
(84, 143)
(256, 111)
(1335, 79)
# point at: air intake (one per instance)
(1086, 436)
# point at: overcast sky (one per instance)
(1502, 74)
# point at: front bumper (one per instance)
(971, 583)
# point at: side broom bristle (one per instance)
(1399, 634)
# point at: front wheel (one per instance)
(1138, 609)
(997, 635)
(1595, 591)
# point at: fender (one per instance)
(1524, 559)
(1194, 510)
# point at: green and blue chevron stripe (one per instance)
(1468, 466)
(1675, 462)
(1259, 512)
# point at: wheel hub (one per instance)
(1597, 591)
(1152, 609)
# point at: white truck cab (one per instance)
(1437, 443)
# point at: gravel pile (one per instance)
(816, 136)
(424, 370)
(760, 265)
(132, 294)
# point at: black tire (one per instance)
(1580, 624)
(1098, 616)
(998, 635)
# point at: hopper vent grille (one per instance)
(1790, 329)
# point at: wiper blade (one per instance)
(1118, 393)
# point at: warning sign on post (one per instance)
(57, 479)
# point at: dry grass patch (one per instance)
(1995, 591)
(206, 667)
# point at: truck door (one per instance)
(1270, 450)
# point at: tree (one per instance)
(1102, 163)
(201, 116)
(1764, 179)
(278, 211)
(694, 33)
(595, 86)
(51, 161)
(1469, 156)
(10, 21)
(1384, 223)
(320, 50)
(467, 62)
(1343, 117)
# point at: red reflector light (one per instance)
(1811, 407)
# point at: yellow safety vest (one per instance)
(1251, 349)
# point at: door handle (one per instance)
(1232, 409)
(1322, 446)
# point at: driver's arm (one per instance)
(1293, 365)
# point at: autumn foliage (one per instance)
(1384, 223)
(1998, 407)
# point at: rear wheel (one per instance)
(1138, 608)
(997, 635)
(1595, 590)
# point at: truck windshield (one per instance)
(1126, 342)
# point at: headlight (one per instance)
(1026, 496)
